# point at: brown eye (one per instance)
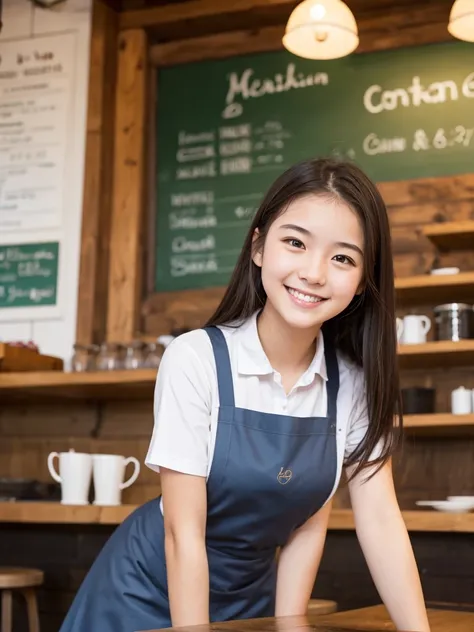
(344, 259)
(294, 243)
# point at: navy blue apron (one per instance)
(269, 474)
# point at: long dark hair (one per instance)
(365, 331)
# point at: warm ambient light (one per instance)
(461, 20)
(321, 29)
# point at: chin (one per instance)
(302, 321)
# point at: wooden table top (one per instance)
(373, 619)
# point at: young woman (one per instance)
(294, 378)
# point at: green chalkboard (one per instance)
(227, 128)
(28, 274)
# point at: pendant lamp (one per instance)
(461, 20)
(321, 29)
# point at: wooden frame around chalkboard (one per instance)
(150, 259)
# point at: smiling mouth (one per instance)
(304, 296)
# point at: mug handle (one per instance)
(51, 467)
(136, 472)
(399, 328)
(426, 324)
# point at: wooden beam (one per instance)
(402, 26)
(206, 17)
(125, 275)
(171, 14)
(96, 211)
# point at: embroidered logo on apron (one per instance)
(284, 476)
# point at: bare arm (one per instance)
(387, 549)
(185, 510)
(298, 564)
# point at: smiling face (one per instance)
(312, 261)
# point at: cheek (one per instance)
(347, 284)
(274, 260)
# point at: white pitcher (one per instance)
(413, 329)
(75, 473)
(108, 474)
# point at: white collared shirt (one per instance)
(187, 399)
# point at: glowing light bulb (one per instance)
(318, 12)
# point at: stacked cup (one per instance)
(77, 469)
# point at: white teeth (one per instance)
(304, 297)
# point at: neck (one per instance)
(289, 350)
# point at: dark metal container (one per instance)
(454, 321)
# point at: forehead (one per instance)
(324, 216)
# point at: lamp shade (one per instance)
(461, 20)
(321, 29)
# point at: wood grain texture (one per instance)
(379, 29)
(374, 619)
(125, 276)
(96, 211)
(451, 235)
(100, 385)
(341, 519)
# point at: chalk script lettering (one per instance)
(377, 100)
(246, 86)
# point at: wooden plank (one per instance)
(377, 618)
(96, 208)
(435, 289)
(438, 210)
(400, 26)
(341, 519)
(428, 190)
(451, 235)
(98, 385)
(125, 274)
(168, 15)
(440, 424)
(439, 353)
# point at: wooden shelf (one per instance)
(439, 424)
(341, 519)
(136, 384)
(139, 384)
(443, 353)
(435, 289)
(55, 513)
(433, 521)
(451, 235)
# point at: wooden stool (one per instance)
(320, 606)
(24, 580)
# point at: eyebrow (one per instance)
(305, 231)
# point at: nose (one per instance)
(313, 270)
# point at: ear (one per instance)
(257, 255)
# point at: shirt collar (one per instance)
(252, 359)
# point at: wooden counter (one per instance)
(341, 519)
(375, 619)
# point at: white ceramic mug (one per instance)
(414, 329)
(108, 474)
(461, 401)
(75, 472)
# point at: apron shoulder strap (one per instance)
(223, 369)
(333, 377)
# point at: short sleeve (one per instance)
(359, 416)
(182, 412)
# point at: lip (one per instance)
(305, 304)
